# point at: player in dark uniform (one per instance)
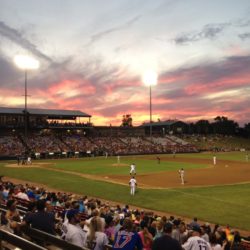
(158, 160)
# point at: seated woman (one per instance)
(12, 217)
(97, 239)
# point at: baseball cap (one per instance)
(71, 213)
(176, 222)
(168, 227)
(196, 228)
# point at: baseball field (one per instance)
(216, 194)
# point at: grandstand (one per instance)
(60, 133)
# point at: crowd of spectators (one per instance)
(43, 123)
(223, 143)
(38, 142)
(10, 145)
(78, 143)
(45, 143)
(68, 124)
(92, 223)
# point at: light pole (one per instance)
(150, 79)
(26, 63)
(150, 111)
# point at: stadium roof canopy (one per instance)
(51, 113)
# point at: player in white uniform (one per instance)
(133, 185)
(29, 160)
(132, 169)
(195, 242)
(182, 173)
(118, 159)
(214, 160)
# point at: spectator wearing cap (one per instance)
(75, 233)
(195, 242)
(126, 239)
(31, 194)
(166, 242)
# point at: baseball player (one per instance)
(214, 160)
(118, 159)
(182, 173)
(132, 169)
(158, 160)
(29, 162)
(174, 152)
(132, 184)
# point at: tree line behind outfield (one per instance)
(220, 125)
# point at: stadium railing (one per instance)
(48, 239)
(16, 241)
(245, 244)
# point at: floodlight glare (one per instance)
(150, 78)
(26, 62)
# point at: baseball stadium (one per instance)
(56, 152)
(124, 125)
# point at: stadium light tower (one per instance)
(150, 79)
(26, 63)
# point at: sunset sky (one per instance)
(93, 55)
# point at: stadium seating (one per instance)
(93, 207)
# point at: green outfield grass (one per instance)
(100, 166)
(231, 156)
(219, 204)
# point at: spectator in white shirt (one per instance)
(195, 242)
(75, 233)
